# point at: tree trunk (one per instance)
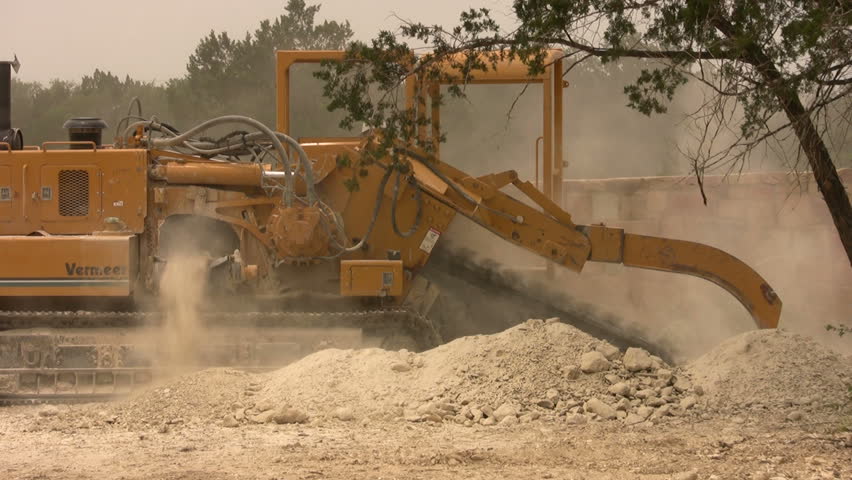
(825, 173)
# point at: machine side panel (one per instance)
(414, 250)
(72, 191)
(6, 193)
(64, 266)
(711, 264)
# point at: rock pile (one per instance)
(199, 397)
(773, 369)
(537, 370)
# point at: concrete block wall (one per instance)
(776, 222)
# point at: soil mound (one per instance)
(772, 368)
(196, 397)
(539, 367)
(515, 365)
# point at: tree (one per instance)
(775, 73)
(40, 111)
(226, 75)
(223, 76)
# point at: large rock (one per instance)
(505, 410)
(263, 417)
(690, 475)
(48, 411)
(552, 395)
(620, 388)
(593, 362)
(636, 359)
(646, 393)
(439, 409)
(665, 375)
(600, 408)
(575, 419)
(345, 414)
(411, 415)
(609, 351)
(795, 416)
(682, 384)
(400, 367)
(633, 419)
(289, 415)
(688, 402)
(264, 405)
(644, 412)
(572, 372)
(529, 417)
(509, 420)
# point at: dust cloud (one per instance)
(787, 238)
(182, 294)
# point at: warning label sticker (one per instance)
(430, 240)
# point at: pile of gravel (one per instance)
(202, 397)
(539, 369)
(775, 369)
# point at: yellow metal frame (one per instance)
(117, 188)
(550, 232)
(232, 193)
(371, 278)
(507, 72)
(68, 266)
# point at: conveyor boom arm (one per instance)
(550, 233)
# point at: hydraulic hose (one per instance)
(199, 147)
(417, 198)
(425, 162)
(379, 197)
(289, 181)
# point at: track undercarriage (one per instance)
(74, 356)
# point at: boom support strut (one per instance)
(550, 233)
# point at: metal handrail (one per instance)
(88, 142)
(537, 140)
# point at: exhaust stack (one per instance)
(9, 135)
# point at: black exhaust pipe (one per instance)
(8, 135)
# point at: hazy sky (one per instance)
(152, 40)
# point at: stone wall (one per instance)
(776, 222)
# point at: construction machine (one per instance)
(294, 260)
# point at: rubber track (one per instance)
(385, 319)
(379, 322)
(464, 264)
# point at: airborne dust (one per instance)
(778, 225)
(182, 292)
(539, 400)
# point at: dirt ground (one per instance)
(749, 447)
(539, 400)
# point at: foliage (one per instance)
(237, 76)
(840, 329)
(39, 111)
(775, 73)
(223, 76)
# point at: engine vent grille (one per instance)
(73, 193)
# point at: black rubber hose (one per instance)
(417, 198)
